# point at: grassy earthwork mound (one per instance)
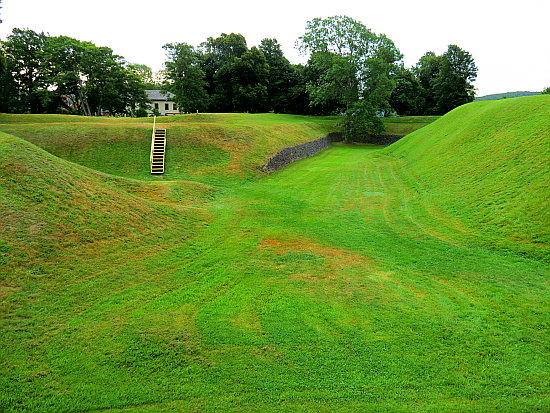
(407, 278)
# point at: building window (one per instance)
(175, 107)
(156, 105)
(166, 106)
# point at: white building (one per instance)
(163, 102)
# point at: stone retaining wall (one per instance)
(294, 153)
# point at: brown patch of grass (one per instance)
(336, 258)
(6, 290)
(190, 194)
(237, 151)
(311, 277)
(248, 320)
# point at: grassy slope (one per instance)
(487, 164)
(51, 209)
(333, 285)
(213, 148)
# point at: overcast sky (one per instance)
(509, 39)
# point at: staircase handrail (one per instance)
(153, 138)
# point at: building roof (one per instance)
(159, 95)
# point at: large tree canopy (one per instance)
(284, 84)
(231, 77)
(436, 84)
(185, 77)
(453, 84)
(356, 69)
(53, 74)
(408, 97)
(26, 61)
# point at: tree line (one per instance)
(351, 71)
(59, 74)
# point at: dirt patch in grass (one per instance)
(335, 257)
(313, 278)
(6, 290)
(172, 192)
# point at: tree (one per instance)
(281, 77)
(223, 75)
(109, 84)
(379, 76)
(24, 51)
(446, 80)
(218, 54)
(185, 77)
(8, 87)
(145, 75)
(297, 99)
(546, 91)
(356, 65)
(222, 50)
(53, 74)
(426, 71)
(66, 73)
(360, 119)
(453, 85)
(123, 92)
(237, 77)
(92, 78)
(408, 96)
(241, 83)
(249, 79)
(336, 85)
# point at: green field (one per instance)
(408, 278)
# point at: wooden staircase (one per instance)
(158, 151)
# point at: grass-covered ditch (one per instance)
(407, 278)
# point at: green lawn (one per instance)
(344, 282)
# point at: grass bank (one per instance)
(337, 284)
(486, 164)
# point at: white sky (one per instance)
(509, 39)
